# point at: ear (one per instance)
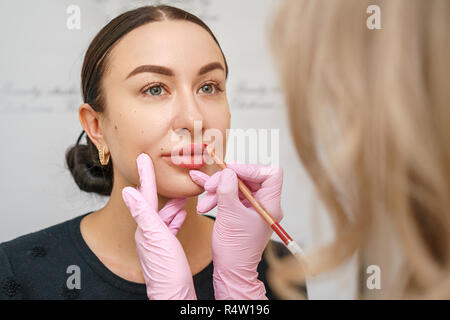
(91, 121)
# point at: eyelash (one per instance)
(159, 84)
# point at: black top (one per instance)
(36, 266)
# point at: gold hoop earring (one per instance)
(101, 155)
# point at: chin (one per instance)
(181, 187)
(175, 182)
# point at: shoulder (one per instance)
(32, 257)
(34, 243)
(9, 287)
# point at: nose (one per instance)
(188, 115)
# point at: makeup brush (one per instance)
(292, 246)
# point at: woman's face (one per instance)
(147, 108)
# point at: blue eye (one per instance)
(158, 89)
(155, 90)
(208, 89)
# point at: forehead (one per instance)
(180, 45)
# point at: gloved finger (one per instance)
(145, 217)
(199, 177)
(275, 177)
(177, 221)
(252, 189)
(213, 182)
(227, 189)
(253, 186)
(168, 212)
(147, 180)
(244, 199)
(269, 177)
(271, 188)
(207, 202)
(253, 173)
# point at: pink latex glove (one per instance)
(240, 234)
(165, 267)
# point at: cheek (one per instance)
(130, 136)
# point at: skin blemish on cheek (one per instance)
(115, 127)
(142, 131)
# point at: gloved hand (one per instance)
(240, 234)
(165, 267)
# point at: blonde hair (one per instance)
(370, 117)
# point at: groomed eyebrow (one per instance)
(169, 72)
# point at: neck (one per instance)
(110, 231)
(118, 217)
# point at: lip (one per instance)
(188, 156)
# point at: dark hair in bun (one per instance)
(82, 159)
(84, 165)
